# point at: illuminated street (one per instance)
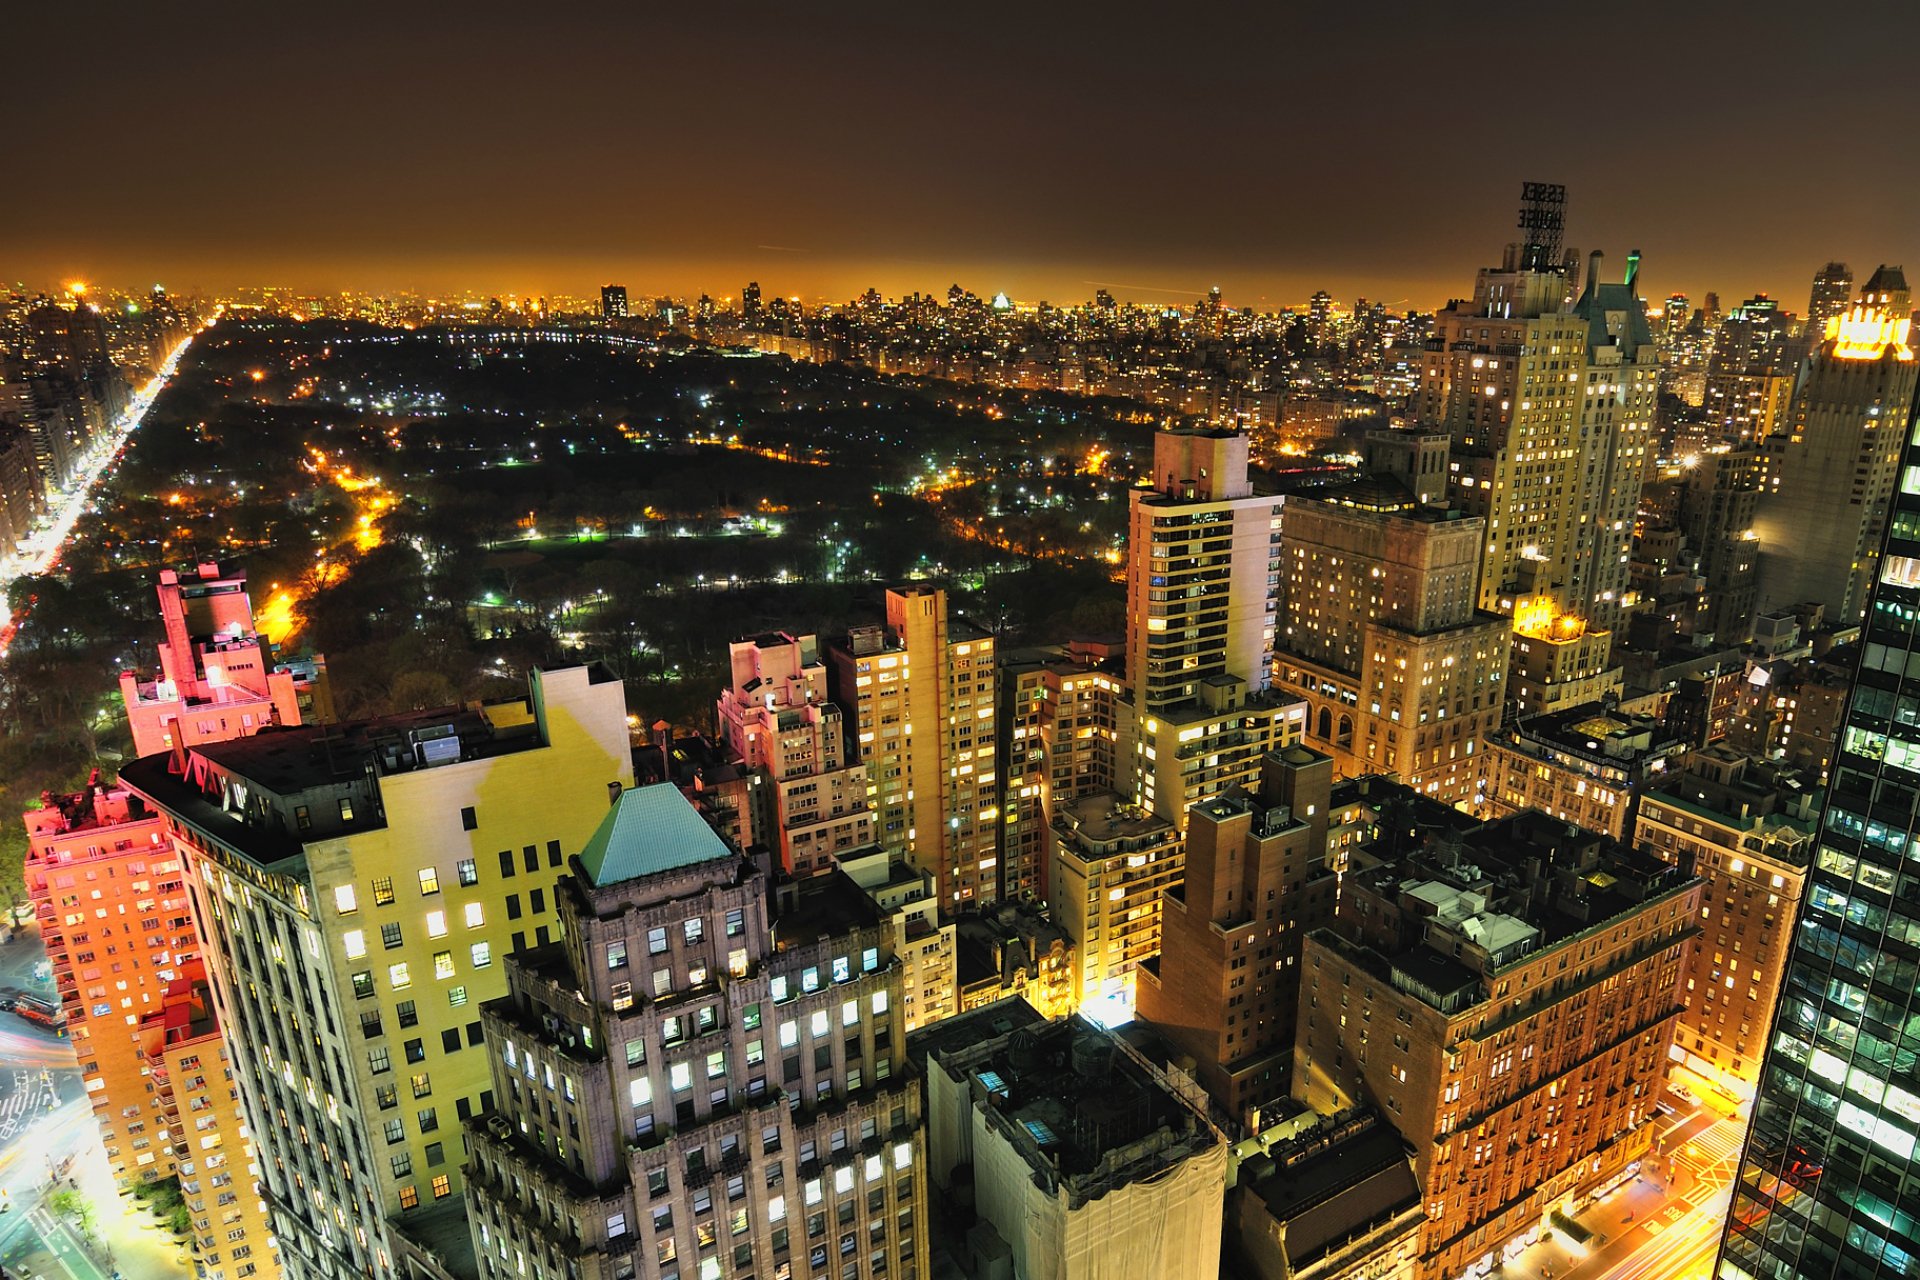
(41, 552)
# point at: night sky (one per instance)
(1039, 148)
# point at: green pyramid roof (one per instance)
(650, 830)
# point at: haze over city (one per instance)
(1271, 150)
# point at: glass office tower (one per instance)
(1828, 1185)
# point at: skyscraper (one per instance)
(356, 886)
(698, 1081)
(1381, 632)
(1506, 374)
(920, 702)
(775, 716)
(1828, 1184)
(1202, 594)
(1621, 392)
(1831, 469)
(1832, 292)
(613, 302)
(1751, 372)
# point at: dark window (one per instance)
(513, 906)
(407, 1014)
(450, 1040)
(540, 936)
(537, 900)
(474, 1034)
(553, 853)
(506, 862)
(531, 857)
(390, 935)
(519, 942)
(416, 1051)
(464, 1108)
(436, 1154)
(467, 819)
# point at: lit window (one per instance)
(476, 915)
(429, 881)
(436, 924)
(481, 954)
(397, 976)
(356, 943)
(344, 900)
(443, 964)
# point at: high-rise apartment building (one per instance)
(108, 889)
(1718, 496)
(1558, 660)
(1112, 859)
(1586, 764)
(192, 1072)
(1832, 468)
(1059, 723)
(926, 945)
(776, 718)
(1746, 828)
(219, 678)
(1621, 398)
(698, 1080)
(1549, 398)
(1225, 987)
(1382, 635)
(1505, 997)
(613, 302)
(1751, 373)
(1084, 1160)
(1832, 294)
(920, 701)
(1828, 1184)
(357, 888)
(1202, 595)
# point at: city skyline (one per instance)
(832, 156)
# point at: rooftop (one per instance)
(823, 906)
(650, 830)
(1084, 1112)
(1332, 1183)
(1103, 817)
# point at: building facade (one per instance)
(1828, 1185)
(699, 1080)
(920, 702)
(1383, 637)
(1112, 859)
(1746, 829)
(108, 889)
(1506, 1001)
(219, 678)
(1831, 472)
(776, 718)
(358, 888)
(1225, 986)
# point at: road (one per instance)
(42, 549)
(1664, 1224)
